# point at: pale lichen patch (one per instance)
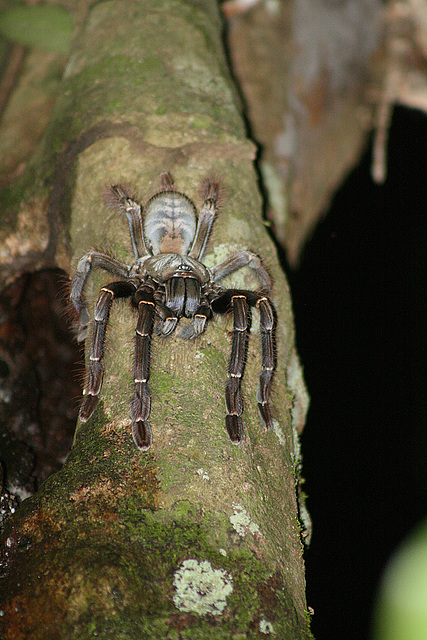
(203, 474)
(279, 433)
(266, 627)
(221, 252)
(296, 384)
(200, 588)
(241, 521)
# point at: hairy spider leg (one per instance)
(119, 197)
(141, 401)
(205, 220)
(239, 260)
(166, 182)
(268, 359)
(199, 322)
(232, 298)
(166, 320)
(96, 352)
(236, 368)
(236, 301)
(91, 260)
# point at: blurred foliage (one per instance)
(44, 26)
(401, 611)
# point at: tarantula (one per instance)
(168, 281)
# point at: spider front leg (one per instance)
(91, 260)
(96, 352)
(141, 401)
(243, 259)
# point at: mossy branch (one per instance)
(196, 538)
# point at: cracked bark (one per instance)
(103, 548)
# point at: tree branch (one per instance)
(197, 537)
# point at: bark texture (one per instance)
(196, 538)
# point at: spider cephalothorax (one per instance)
(168, 281)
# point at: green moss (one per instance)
(103, 89)
(122, 556)
(163, 384)
(202, 122)
(183, 509)
(154, 64)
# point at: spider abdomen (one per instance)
(169, 221)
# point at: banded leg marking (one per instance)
(96, 352)
(206, 219)
(221, 304)
(198, 323)
(120, 197)
(268, 360)
(141, 401)
(236, 368)
(90, 261)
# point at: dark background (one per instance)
(360, 303)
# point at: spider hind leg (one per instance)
(240, 302)
(237, 301)
(268, 355)
(141, 401)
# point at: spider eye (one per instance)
(169, 223)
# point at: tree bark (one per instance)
(196, 538)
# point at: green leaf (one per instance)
(41, 26)
(401, 610)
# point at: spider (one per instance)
(168, 281)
